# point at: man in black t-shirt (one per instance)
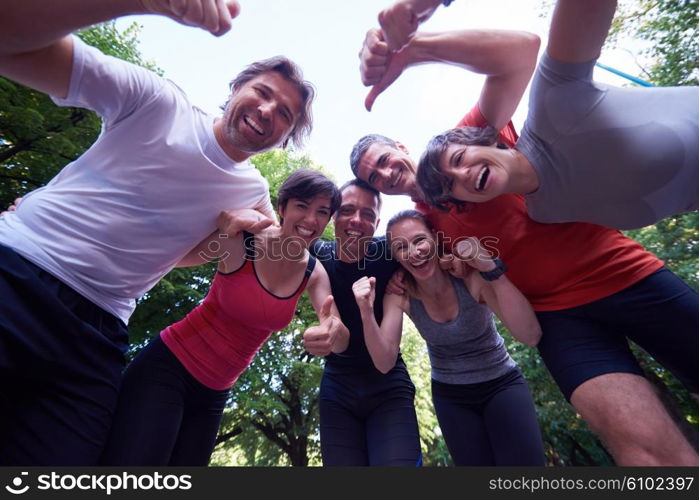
(366, 417)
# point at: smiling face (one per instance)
(355, 222)
(260, 115)
(415, 248)
(305, 220)
(478, 173)
(387, 169)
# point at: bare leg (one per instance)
(625, 413)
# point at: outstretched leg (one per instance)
(623, 410)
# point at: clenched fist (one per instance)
(212, 15)
(365, 292)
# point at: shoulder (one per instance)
(552, 73)
(377, 246)
(318, 273)
(378, 255)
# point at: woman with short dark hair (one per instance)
(175, 390)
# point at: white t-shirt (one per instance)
(117, 219)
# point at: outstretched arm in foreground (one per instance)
(507, 58)
(36, 51)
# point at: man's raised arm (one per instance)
(507, 58)
(36, 51)
(579, 29)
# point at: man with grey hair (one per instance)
(77, 253)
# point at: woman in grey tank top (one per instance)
(484, 406)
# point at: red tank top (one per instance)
(556, 266)
(220, 337)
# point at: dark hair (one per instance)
(306, 184)
(363, 185)
(434, 185)
(365, 143)
(408, 279)
(292, 73)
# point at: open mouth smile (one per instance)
(253, 125)
(418, 265)
(482, 179)
(304, 232)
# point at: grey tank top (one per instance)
(619, 157)
(466, 350)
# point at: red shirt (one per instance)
(218, 339)
(556, 266)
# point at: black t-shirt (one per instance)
(376, 263)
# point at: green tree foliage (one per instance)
(37, 138)
(671, 30)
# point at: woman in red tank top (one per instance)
(175, 390)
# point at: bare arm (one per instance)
(501, 295)
(513, 308)
(332, 334)
(579, 29)
(36, 51)
(226, 241)
(507, 58)
(383, 341)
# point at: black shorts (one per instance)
(660, 313)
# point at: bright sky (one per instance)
(324, 38)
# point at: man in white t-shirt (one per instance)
(78, 252)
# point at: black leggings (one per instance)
(490, 423)
(368, 418)
(165, 416)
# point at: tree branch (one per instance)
(228, 435)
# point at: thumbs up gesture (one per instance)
(364, 292)
(330, 335)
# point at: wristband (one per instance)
(494, 274)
